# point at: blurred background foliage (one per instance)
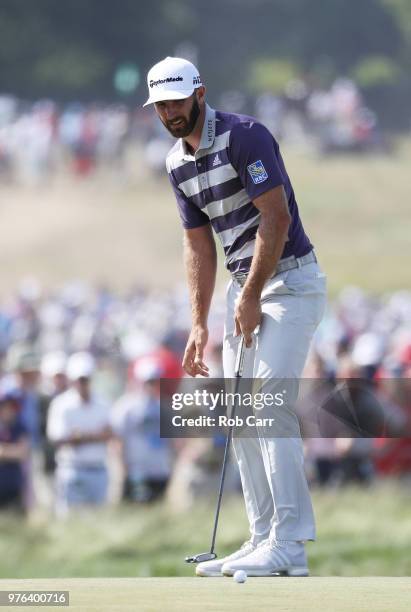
(75, 48)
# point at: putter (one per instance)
(238, 372)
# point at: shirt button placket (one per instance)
(202, 178)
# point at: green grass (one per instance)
(355, 209)
(361, 532)
(216, 594)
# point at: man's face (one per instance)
(60, 382)
(179, 116)
(29, 379)
(8, 413)
(83, 387)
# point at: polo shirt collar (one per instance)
(207, 134)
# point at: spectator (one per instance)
(136, 420)
(53, 370)
(78, 425)
(25, 378)
(24, 363)
(392, 456)
(14, 451)
(54, 379)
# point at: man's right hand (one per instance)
(193, 362)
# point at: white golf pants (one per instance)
(276, 493)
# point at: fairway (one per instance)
(180, 594)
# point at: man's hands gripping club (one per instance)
(247, 316)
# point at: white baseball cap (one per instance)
(80, 365)
(53, 363)
(174, 78)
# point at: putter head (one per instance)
(208, 556)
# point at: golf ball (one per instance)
(240, 576)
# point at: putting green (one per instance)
(180, 594)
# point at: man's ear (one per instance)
(200, 93)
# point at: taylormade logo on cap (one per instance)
(174, 78)
(167, 80)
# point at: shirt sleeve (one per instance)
(254, 155)
(191, 216)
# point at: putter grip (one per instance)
(239, 362)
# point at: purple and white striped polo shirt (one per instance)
(238, 160)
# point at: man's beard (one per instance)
(184, 128)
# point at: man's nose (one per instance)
(171, 112)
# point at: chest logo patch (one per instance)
(217, 160)
(257, 172)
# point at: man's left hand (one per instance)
(247, 317)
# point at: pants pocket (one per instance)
(277, 286)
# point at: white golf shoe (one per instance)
(213, 568)
(271, 559)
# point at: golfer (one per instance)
(228, 175)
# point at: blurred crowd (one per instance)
(80, 396)
(328, 121)
(37, 139)
(364, 343)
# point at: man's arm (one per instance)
(15, 451)
(77, 439)
(269, 245)
(200, 260)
